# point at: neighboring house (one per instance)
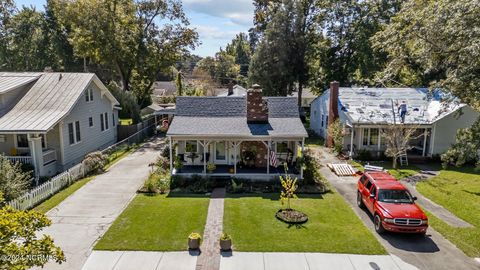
(164, 89)
(234, 133)
(307, 97)
(364, 111)
(232, 91)
(52, 120)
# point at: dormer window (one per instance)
(89, 95)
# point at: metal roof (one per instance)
(49, 100)
(227, 116)
(374, 105)
(10, 81)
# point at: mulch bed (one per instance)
(291, 216)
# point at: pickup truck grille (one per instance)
(407, 221)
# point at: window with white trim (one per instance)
(89, 94)
(90, 121)
(370, 136)
(74, 135)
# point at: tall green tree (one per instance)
(240, 49)
(179, 84)
(135, 40)
(440, 51)
(280, 60)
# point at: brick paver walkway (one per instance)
(209, 258)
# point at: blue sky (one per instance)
(216, 21)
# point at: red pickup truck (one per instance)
(391, 204)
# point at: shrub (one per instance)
(311, 172)
(166, 152)
(151, 184)
(335, 130)
(128, 102)
(289, 185)
(364, 155)
(236, 188)
(13, 181)
(178, 164)
(95, 161)
(163, 185)
(162, 163)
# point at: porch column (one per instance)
(301, 168)
(379, 141)
(351, 142)
(35, 145)
(235, 145)
(432, 139)
(424, 141)
(205, 146)
(268, 156)
(171, 151)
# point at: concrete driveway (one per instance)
(431, 252)
(84, 217)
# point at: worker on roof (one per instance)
(402, 109)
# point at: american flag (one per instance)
(273, 158)
(165, 123)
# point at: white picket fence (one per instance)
(47, 189)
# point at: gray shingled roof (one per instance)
(226, 117)
(49, 100)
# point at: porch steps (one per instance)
(342, 169)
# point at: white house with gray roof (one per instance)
(52, 120)
(242, 136)
(364, 111)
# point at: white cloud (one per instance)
(238, 11)
(213, 32)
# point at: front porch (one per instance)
(236, 158)
(31, 149)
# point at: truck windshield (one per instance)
(394, 196)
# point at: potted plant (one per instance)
(211, 167)
(178, 164)
(194, 240)
(225, 242)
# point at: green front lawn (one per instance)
(332, 226)
(458, 190)
(160, 223)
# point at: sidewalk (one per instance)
(82, 218)
(143, 260)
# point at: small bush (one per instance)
(166, 152)
(364, 155)
(162, 163)
(95, 161)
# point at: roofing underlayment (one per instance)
(374, 105)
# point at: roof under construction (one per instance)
(380, 105)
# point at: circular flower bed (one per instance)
(291, 216)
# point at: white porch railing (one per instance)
(49, 155)
(21, 159)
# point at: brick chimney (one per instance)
(230, 88)
(257, 109)
(333, 108)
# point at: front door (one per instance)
(220, 153)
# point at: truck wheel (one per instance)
(377, 221)
(359, 200)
